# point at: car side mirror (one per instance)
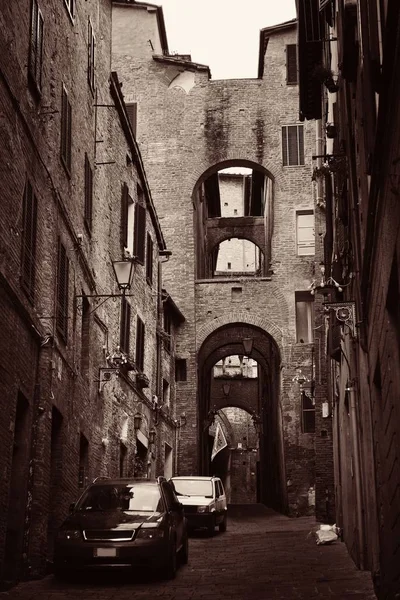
(72, 507)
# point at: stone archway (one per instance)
(259, 397)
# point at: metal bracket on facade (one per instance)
(105, 375)
(345, 312)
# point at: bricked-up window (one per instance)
(36, 46)
(307, 414)
(70, 6)
(131, 109)
(149, 260)
(139, 358)
(304, 317)
(292, 145)
(88, 194)
(91, 48)
(124, 340)
(62, 291)
(28, 242)
(291, 64)
(140, 233)
(66, 120)
(305, 233)
(180, 369)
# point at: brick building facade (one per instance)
(349, 69)
(83, 374)
(190, 128)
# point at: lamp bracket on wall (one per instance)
(345, 312)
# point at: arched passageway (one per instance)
(251, 387)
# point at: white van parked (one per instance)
(204, 501)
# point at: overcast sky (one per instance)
(223, 34)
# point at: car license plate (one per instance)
(106, 552)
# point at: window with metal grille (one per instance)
(88, 194)
(291, 64)
(66, 119)
(292, 145)
(304, 317)
(180, 369)
(125, 329)
(28, 242)
(149, 260)
(140, 233)
(305, 233)
(131, 109)
(62, 291)
(83, 461)
(70, 6)
(36, 46)
(307, 414)
(139, 344)
(91, 48)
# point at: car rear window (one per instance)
(138, 498)
(193, 487)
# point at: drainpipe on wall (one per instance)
(357, 470)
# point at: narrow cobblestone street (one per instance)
(262, 556)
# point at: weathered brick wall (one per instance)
(183, 135)
(48, 371)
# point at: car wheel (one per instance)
(223, 525)
(211, 527)
(171, 564)
(185, 549)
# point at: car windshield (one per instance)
(140, 498)
(193, 487)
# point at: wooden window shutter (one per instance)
(125, 326)
(66, 129)
(139, 358)
(88, 194)
(139, 233)
(124, 215)
(291, 64)
(28, 258)
(62, 291)
(36, 45)
(149, 259)
(131, 109)
(91, 50)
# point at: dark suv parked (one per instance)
(123, 522)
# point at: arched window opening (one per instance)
(238, 257)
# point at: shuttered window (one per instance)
(124, 215)
(62, 291)
(88, 194)
(304, 317)
(131, 109)
(305, 233)
(28, 257)
(140, 233)
(66, 119)
(139, 358)
(125, 326)
(307, 414)
(291, 64)
(36, 46)
(149, 259)
(91, 49)
(292, 145)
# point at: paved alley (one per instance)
(262, 556)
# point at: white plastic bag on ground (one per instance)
(326, 534)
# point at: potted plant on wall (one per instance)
(325, 75)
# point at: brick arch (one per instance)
(262, 323)
(205, 169)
